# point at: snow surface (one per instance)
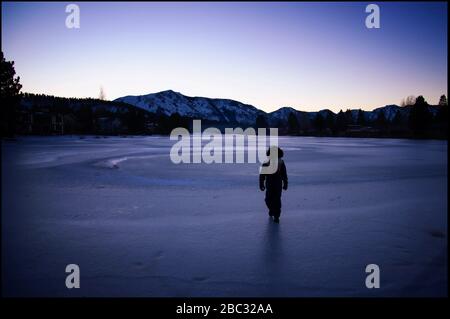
(138, 225)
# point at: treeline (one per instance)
(46, 114)
(419, 120)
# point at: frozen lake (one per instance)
(139, 225)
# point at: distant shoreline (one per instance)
(95, 136)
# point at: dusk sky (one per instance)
(309, 56)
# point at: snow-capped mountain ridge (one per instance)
(230, 111)
(170, 102)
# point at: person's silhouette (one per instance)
(273, 185)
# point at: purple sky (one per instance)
(308, 56)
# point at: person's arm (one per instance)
(284, 176)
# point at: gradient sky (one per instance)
(308, 56)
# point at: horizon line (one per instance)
(219, 98)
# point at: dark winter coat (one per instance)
(273, 184)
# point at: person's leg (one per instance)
(273, 202)
(277, 205)
(268, 203)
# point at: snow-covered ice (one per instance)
(139, 225)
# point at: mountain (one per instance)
(232, 112)
(281, 115)
(217, 110)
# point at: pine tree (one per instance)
(348, 117)
(381, 121)
(442, 120)
(419, 117)
(319, 122)
(10, 96)
(397, 119)
(341, 121)
(361, 119)
(443, 100)
(330, 121)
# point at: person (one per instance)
(273, 185)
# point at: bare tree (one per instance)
(102, 95)
(409, 100)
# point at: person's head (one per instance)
(274, 149)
